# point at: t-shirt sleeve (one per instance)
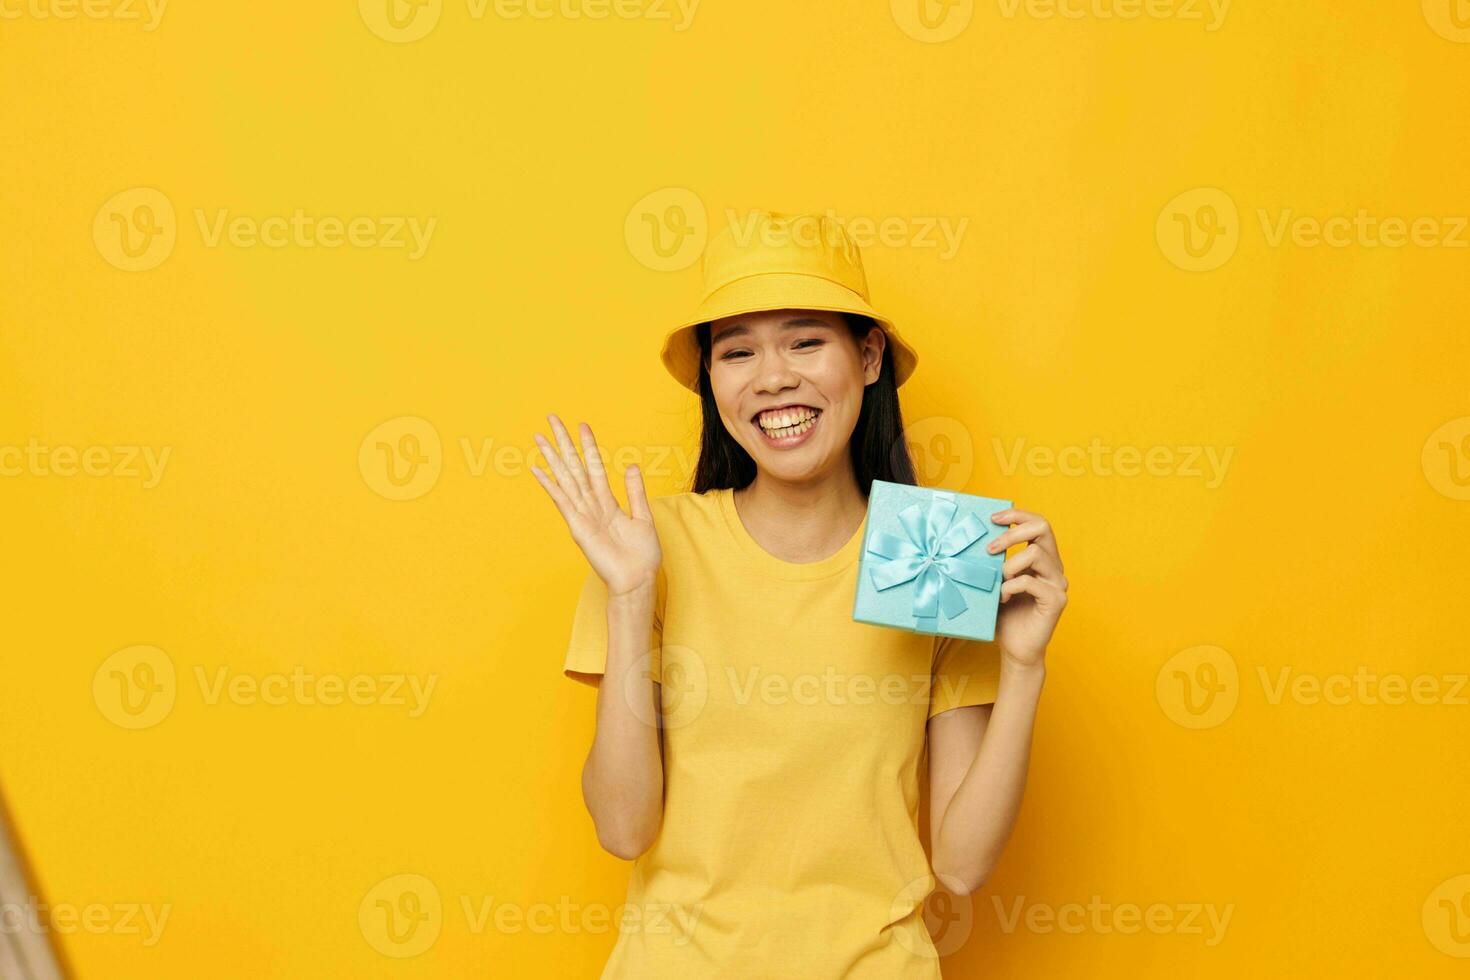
(966, 672)
(586, 657)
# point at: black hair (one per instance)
(878, 449)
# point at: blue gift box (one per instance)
(924, 566)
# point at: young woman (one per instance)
(757, 751)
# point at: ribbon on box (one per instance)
(930, 553)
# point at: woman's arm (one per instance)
(979, 755)
(623, 777)
(978, 760)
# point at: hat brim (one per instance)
(775, 291)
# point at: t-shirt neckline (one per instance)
(839, 561)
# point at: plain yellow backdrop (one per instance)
(1135, 290)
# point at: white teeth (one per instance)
(786, 419)
(784, 425)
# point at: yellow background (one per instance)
(1336, 537)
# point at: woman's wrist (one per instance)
(1027, 677)
(635, 597)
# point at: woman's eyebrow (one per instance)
(740, 329)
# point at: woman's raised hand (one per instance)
(622, 548)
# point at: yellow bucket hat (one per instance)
(775, 261)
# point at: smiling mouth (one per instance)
(787, 426)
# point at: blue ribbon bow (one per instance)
(931, 554)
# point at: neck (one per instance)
(802, 522)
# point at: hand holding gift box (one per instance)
(924, 566)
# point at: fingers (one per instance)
(1039, 562)
(1029, 527)
(568, 484)
(563, 503)
(637, 494)
(596, 471)
(569, 452)
(1039, 589)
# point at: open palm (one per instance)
(621, 546)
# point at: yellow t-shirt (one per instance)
(793, 737)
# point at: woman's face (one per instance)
(789, 386)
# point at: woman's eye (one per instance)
(803, 343)
(730, 355)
